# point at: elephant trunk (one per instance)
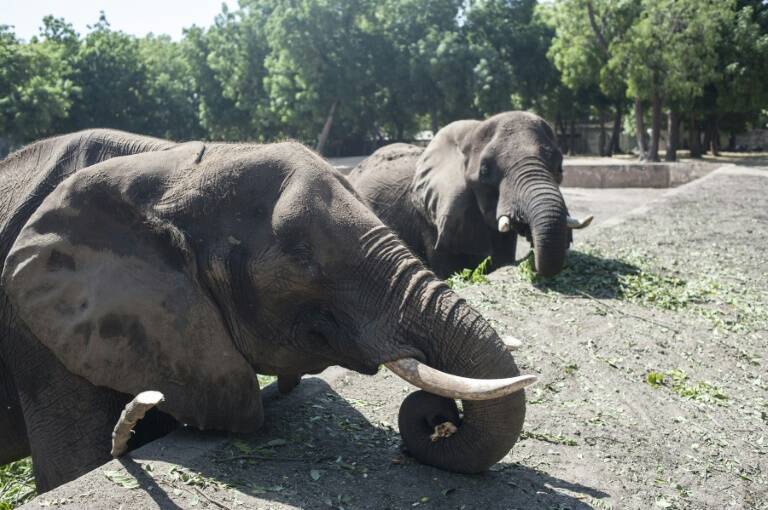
(452, 337)
(432, 428)
(541, 206)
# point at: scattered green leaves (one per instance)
(17, 484)
(122, 479)
(636, 277)
(470, 276)
(677, 380)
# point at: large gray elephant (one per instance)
(132, 264)
(476, 186)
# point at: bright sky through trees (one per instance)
(136, 17)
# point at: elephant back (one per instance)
(393, 158)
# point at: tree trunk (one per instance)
(572, 141)
(640, 129)
(326, 129)
(616, 135)
(604, 151)
(693, 136)
(563, 137)
(714, 137)
(653, 152)
(433, 118)
(673, 135)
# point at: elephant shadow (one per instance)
(317, 450)
(590, 275)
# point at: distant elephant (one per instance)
(476, 186)
(132, 264)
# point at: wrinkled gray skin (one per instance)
(132, 263)
(445, 201)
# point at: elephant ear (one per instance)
(441, 192)
(110, 287)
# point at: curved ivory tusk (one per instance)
(504, 224)
(454, 386)
(577, 224)
(133, 412)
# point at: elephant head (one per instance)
(190, 270)
(503, 172)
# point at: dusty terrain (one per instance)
(651, 347)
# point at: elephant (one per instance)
(133, 263)
(476, 186)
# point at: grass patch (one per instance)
(677, 380)
(17, 484)
(468, 276)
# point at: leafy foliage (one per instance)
(469, 276)
(677, 380)
(377, 71)
(17, 484)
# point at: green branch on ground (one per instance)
(469, 276)
(17, 484)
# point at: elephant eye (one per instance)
(485, 172)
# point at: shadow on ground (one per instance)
(317, 450)
(587, 274)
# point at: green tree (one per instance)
(512, 51)
(318, 66)
(581, 49)
(740, 90)
(113, 82)
(423, 64)
(669, 55)
(169, 90)
(35, 87)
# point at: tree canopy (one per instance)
(347, 75)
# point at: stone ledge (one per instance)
(632, 175)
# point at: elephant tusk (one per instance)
(133, 412)
(577, 224)
(504, 224)
(454, 386)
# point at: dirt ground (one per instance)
(651, 349)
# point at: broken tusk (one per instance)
(577, 224)
(454, 386)
(133, 412)
(504, 224)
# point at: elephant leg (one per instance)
(14, 444)
(286, 383)
(69, 421)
